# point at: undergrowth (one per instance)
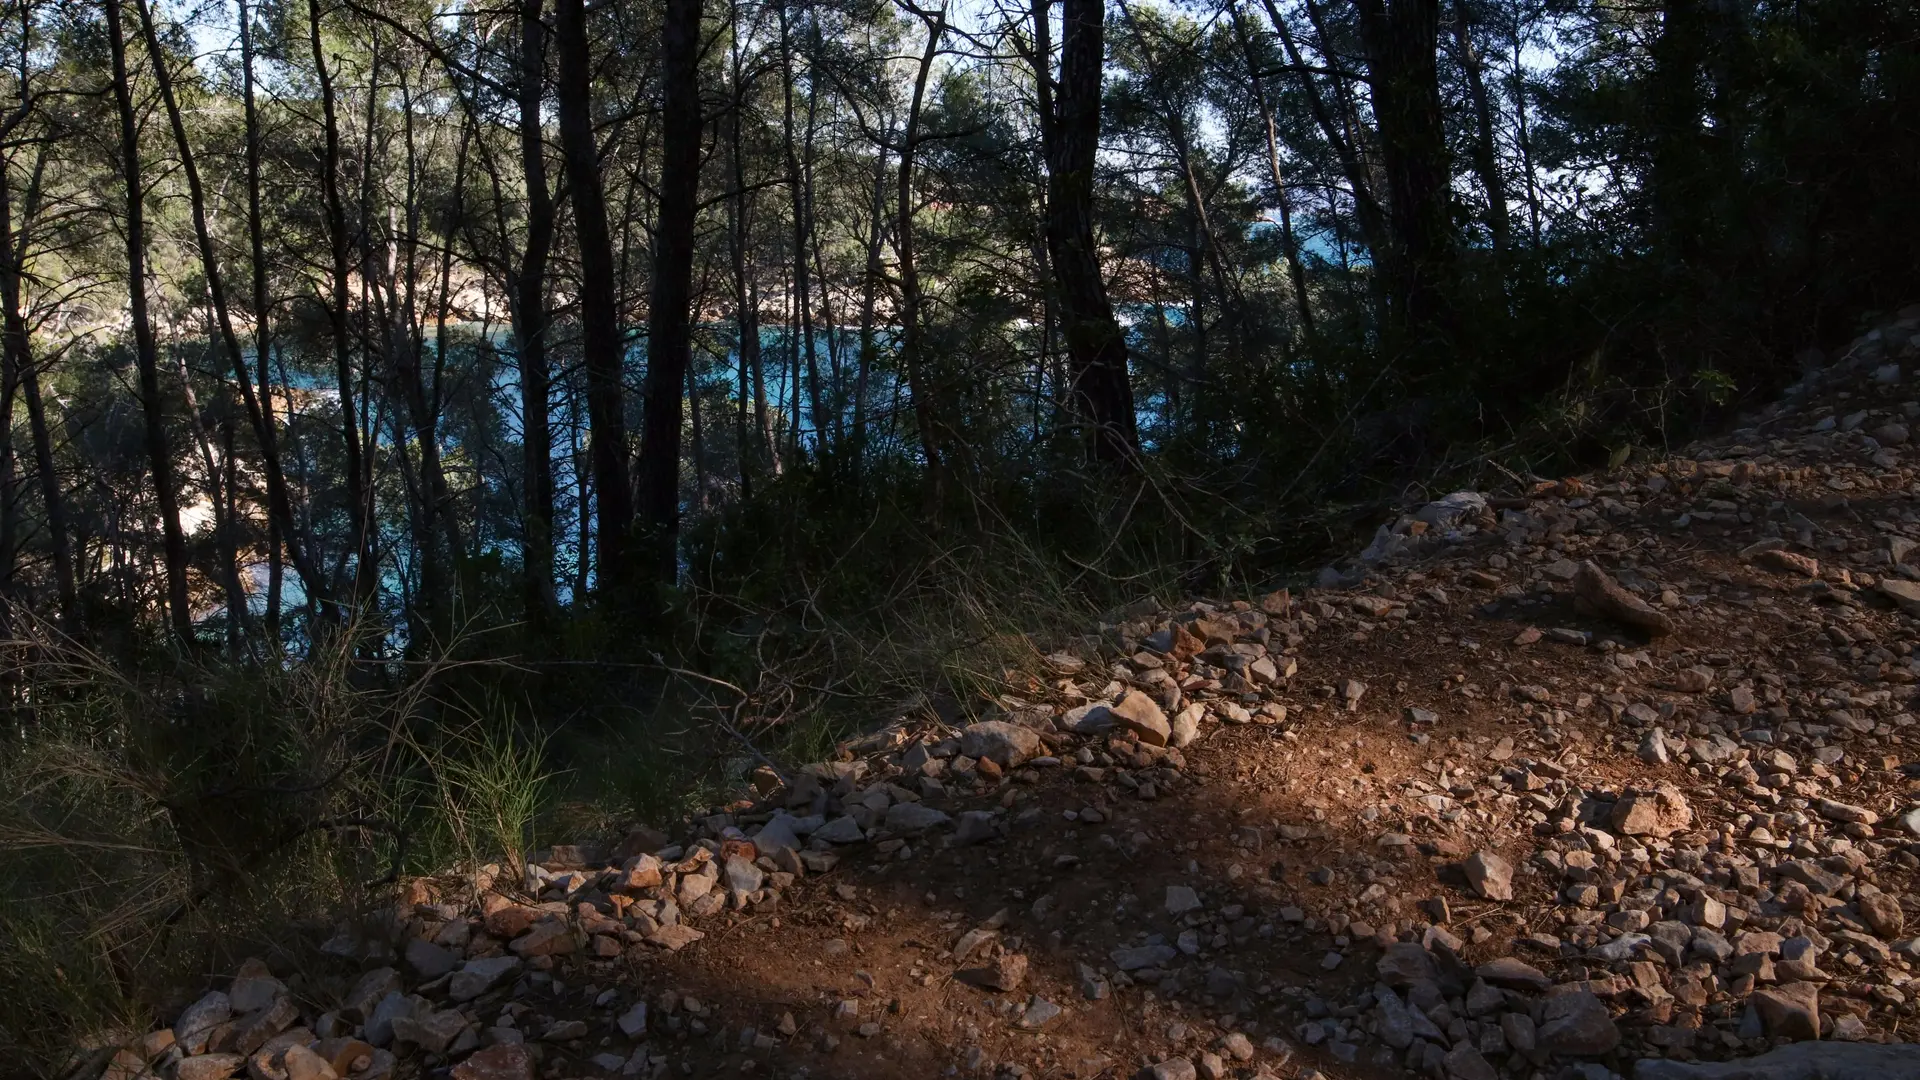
(166, 815)
(161, 821)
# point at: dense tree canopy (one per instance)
(369, 311)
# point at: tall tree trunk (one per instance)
(603, 356)
(763, 410)
(9, 502)
(530, 326)
(146, 352)
(1096, 347)
(746, 316)
(359, 522)
(10, 358)
(799, 187)
(1485, 161)
(871, 276)
(697, 443)
(1402, 41)
(1524, 137)
(832, 386)
(259, 407)
(1041, 60)
(281, 529)
(439, 542)
(1288, 241)
(374, 315)
(910, 333)
(580, 456)
(230, 485)
(1368, 212)
(669, 316)
(26, 377)
(1678, 170)
(1205, 250)
(226, 541)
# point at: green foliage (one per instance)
(159, 820)
(486, 784)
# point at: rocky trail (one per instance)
(1613, 776)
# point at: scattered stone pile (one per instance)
(1617, 768)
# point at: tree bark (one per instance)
(26, 377)
(1368, 212)
(530, 327)
(910, 298)
(1675, 107)
(746, 314)
(146, 351)
(1288, 241)
(1096, 347)
(603, 356)
(669, 317)
(281, 528)
(259, 406)
(1402, 41)
(1485, 160)
(1049, 367)
(697, 444)
(9, 503)
(800, 190)
(359, 510)
(872, 274)
(1206, 244)
(439, 543)
(1518, 88)
(226, 544)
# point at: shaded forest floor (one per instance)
(1459, 811)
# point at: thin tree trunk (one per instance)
(1205, 241)
(230, 484)
(697, 441)
(439, 541)
(583, 479)
(1402, 41)
(603, 357)
(800, 187)
(1288, 241)
(259, 407)
(9, 502)
(1525, 139)
(763, 410)
(790, 378)
(530, 325)
(910, 335)
(834, 397)
(146, 352)
(9, 384)
(1096, 347)
(358, 523)
(1041, 61)
(280, 523)
(1485, 161)
(746, 316)
(225, 540)
(26, 376)
(669, 317)
(1367, 209)
(376, 291)
(870, 280)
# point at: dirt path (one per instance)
(1443, 816)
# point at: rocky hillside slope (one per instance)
(1616, 775)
